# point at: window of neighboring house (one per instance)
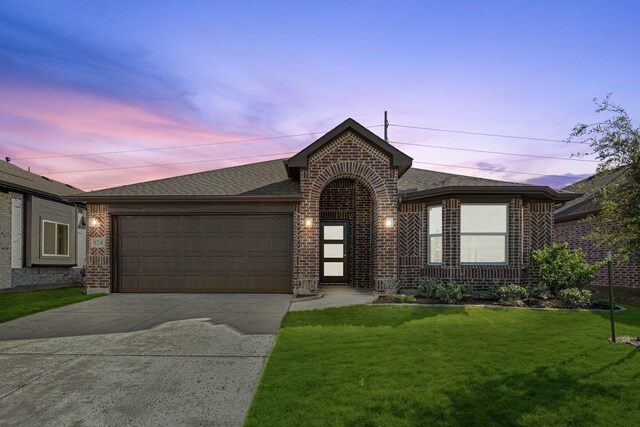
(434, 238)
(483, 233)
(55, 239)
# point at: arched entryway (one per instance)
(346, 234)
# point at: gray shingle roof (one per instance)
(588, 202)
(263, 178)
(422, 179)
(270, 178)
(16, 178)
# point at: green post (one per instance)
(612, 307)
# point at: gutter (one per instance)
(42, 194)
(88, 198)
(539, 191)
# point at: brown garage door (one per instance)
(215, 253)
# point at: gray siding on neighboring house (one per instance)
(14, 270)
(5, 240)
(40, 210)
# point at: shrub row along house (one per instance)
(571, 227)
(42, 236)
(347, 210)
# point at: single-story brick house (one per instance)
(42, 236)
(570, 227)
(347, 210)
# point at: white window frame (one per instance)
(505, 234)
(430, 235)
(56, 238)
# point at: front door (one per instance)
(334, 238)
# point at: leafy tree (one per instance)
(616, 143)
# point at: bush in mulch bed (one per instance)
(434, 291)
(634, 341)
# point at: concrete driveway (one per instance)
(136, 359)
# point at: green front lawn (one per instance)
(14, 305)
(422, 366)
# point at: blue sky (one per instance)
(92, 77)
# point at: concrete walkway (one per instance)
(335, 297)
(145, 360)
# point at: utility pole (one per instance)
(386, 126)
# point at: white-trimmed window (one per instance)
(434, 237)
(483, 233)
(55, 238)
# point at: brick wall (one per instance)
(627, 274)
(350, 200)
(349, 156)
(5, 240)
(530, 226)
(98, 269)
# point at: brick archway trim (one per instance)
(354, 170)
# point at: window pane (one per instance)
(333, 232)
(63, 239)
(334, 269)
(483, 218)
(49, 238)
(483, 249)
(435, 219)
(333, 250)
(435, 250)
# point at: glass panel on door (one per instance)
(333, 251)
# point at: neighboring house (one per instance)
(570, 227)
(347, 210)
(42, 236)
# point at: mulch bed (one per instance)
(529, 302)
(634, 341)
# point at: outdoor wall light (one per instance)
(388, 222)
(308, 222)
(94, 222)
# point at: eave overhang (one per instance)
(88, 198)
(529, 191)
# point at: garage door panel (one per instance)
(279, 243)
(234, 224)
(240, 253)
(279, 265)
(281, 224)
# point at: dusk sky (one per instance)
(189, 86)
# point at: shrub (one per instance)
(511, 295)
(389, 285)
(562, 268)
(453, 292)
(575, 298)
(429, 286)
(405, 299)
(540, 292)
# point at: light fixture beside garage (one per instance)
(388, 222)
(308, 222)
(94, 222)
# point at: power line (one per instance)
(171, 147)
(494, 152)
(529, 138)
(170, 164)
(493, 170)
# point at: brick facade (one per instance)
(350, 200)
(98, 270)
(530, 226)
(627, 274)
(349, 156)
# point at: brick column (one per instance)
(98, 269)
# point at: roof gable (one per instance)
(398, 158)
